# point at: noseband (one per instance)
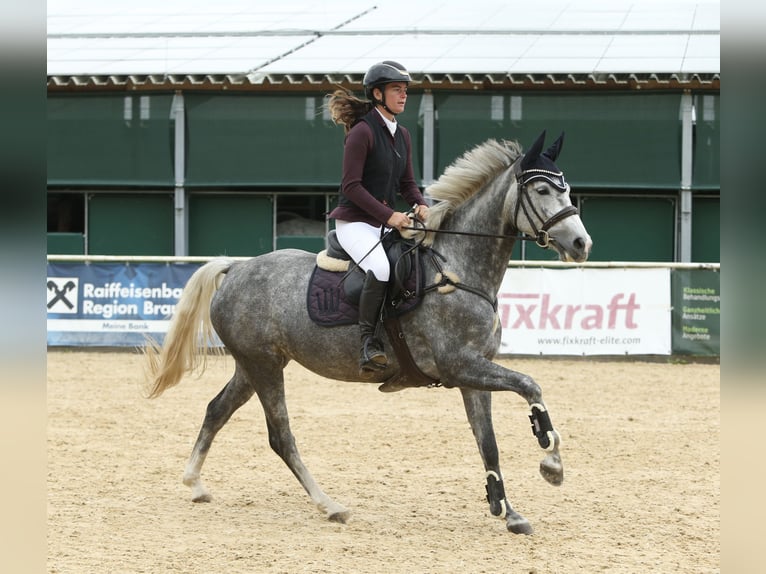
(524, 203)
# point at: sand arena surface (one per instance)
(641, 453)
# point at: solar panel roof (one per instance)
(256, 42)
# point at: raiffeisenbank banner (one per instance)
(112, 304)
(585, 311)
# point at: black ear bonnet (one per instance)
(535, 165)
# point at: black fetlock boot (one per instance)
(372, 357)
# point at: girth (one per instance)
(409, 374)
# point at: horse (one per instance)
(493, 193)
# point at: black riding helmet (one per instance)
(381, 74)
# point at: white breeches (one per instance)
(362, 242)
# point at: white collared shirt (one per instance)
(390, 124)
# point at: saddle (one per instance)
(336, 284)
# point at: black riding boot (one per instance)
(372, 356)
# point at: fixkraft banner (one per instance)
(585, 311)
(112, 304)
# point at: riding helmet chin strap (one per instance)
(382, 102)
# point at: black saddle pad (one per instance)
(329, 305)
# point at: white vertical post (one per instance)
(181, 220)
(685, 194)
(428, 138)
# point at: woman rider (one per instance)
(377, 166)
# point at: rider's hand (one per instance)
(421, 211)
(398, 220)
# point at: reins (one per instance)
(425, 229)
(444, 280)
(540, 237)
(524, 203)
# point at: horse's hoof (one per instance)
(391, 387)
(518, 525)
(199, 492)
(552, 470)
(341, 516)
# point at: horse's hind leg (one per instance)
(271, 392)
(478, 407)
(235, 394)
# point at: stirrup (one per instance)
(372, 356)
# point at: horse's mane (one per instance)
(466, 176)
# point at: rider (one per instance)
(377, 165)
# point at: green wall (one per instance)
(706, 173)
(706, 229)
(280, 140)
(241, 149)
(66, 243)
(110, 140)
(236, 225)
(257, 140)
(621, 140)
(630, 228)
(130, 224)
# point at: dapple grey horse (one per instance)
(484, 201)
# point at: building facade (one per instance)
(239, 164)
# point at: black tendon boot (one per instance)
(372, 356)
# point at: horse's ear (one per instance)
(555, 149)
(530, 157)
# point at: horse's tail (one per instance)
(187, 341)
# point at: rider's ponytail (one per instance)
(346, 109)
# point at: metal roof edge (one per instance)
(438, 81)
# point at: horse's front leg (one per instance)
(551, 467)
(485, 375)
(478, 407)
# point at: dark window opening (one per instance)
(301, 215)
(66, 213)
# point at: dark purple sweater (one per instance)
(368, 188)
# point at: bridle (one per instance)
(541, 236)
(524, 203)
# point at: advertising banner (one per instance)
(543, 311)
(696, 312)
(112, 304)
(585, 311)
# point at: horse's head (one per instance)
(543, 207)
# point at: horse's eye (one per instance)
(543, 190)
